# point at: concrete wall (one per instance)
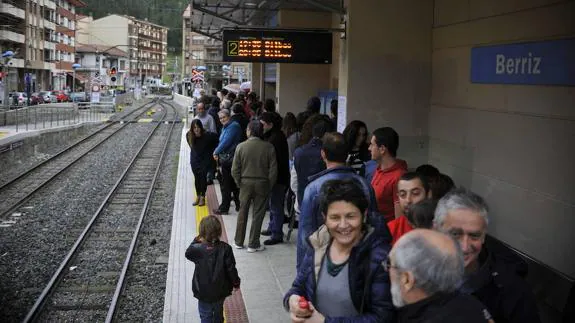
(111, 30)
(385, 69)
(298, 82)
(512, 144)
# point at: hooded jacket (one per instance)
(499, 285)
(311, 219)
(368, 282)
(215, 274)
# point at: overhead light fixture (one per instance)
(250, 4)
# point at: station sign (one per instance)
(277, 46)
(537, 63)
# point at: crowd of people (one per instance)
(377, 240)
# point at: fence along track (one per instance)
(20, 189)
(91, 291)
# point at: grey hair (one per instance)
(224, 112)
(434, 271)
(457, 199)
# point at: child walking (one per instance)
(215, 274)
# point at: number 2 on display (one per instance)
(233, 48)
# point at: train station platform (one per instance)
(265, 276)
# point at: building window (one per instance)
(198, 40)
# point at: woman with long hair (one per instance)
(355, 135)
(202, 144)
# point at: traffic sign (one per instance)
(95, 88)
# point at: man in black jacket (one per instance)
(491, 276)
(239, 116)
(426, 268)
(271, 122)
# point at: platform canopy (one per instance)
(210, 17)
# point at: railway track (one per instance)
(18, 190)
(90, 280)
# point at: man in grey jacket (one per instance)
(254, 170)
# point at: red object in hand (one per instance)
(303, 303)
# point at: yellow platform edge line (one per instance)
(202, 212)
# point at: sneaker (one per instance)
(266, 233)
(271, 242)
(260, 248)
(237, 246)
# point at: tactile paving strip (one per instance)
(234, 307)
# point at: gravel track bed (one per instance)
(39, 148)
(32, 249)
(143, 297)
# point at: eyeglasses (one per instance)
(387, 264)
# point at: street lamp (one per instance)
(7, 56)
(74, 67)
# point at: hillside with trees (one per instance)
(162, 12)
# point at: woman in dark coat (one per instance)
(202, 144)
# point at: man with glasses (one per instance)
(426, 268)
(493, 277)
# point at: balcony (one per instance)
(49, 45)
(66, 13)
(49, 25)
(9, 8)
(50, 4)
(65, 48)
(11, 34)
(64, 66)
(65, 30)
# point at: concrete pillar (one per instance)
(256, 79)
(296, 83)
(385, 69)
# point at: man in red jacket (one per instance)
(383, 148)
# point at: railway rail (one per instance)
(21, 188)
(89, 282)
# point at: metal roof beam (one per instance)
(217, 15)
(198, 31)
(324, 6)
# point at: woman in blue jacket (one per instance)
(224, 155)
(341, 278)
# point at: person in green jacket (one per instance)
(254, 170)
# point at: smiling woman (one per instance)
(341, 275)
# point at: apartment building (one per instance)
(41, 33)
(108, 64)
(145, 43)
(201, 50)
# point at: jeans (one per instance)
(200, 180)
(277, 199)
(211, 312)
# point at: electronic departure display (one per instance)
(277, 46)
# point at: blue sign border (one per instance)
(549, 62)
